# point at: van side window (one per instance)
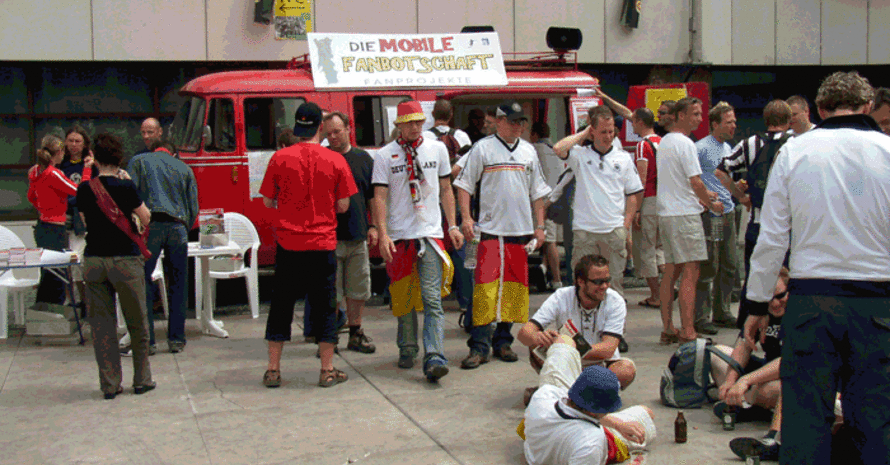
(221, 119)
(266, 117)
(374, 119)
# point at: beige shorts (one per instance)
(353, 270)
(77, 244)
(553, 232)
(651, 254)
(612, 245)
(682, 238)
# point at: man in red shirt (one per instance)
(646, 219)
(308, 185)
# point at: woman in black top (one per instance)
(113, 264)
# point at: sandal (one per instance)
(669, 338)
(647, 303)
(272, 378)
(331, 377)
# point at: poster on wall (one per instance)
(580, 106)
(293, 19)
(406, 60)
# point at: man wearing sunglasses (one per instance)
(596, 310)
(608, 192)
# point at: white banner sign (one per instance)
(406, 60)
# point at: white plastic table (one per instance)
(205, 308)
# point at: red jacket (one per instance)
(48, 191)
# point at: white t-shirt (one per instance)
(511, 181)
(604, 182)
(462, 138)
(404, 220)
(605, 319)
(677, 162)
(554, 440)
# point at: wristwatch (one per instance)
(541, 227)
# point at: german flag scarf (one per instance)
(501, 290)
(404, 279)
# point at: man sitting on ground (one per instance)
(574, 423)
(597, 311)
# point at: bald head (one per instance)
(151, 131)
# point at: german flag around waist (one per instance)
(404, 279)
(501, 290)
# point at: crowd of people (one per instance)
(427, 197)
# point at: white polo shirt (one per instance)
(677, 162)
(511, 179)
(606, 319)
(604, 182)
(831, 186)
(552, 439)
(404, 221)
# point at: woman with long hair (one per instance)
(48, 191)
(74, 165)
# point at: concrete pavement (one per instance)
(211, 408)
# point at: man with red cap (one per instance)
(412, 176)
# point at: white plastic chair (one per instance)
(244, 233)
(9, 284)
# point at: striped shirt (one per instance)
(742, 157)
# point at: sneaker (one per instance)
(728, 322)
(506, 354)
(622, 345)
(765, 448)
(361, 343)
(176, 346)
(474, 360)
(126, 351)
(406, 362)
(144, 388)
(435, 370)
(706, 328)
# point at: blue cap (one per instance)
(596, 390)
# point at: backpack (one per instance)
(686, 380)
(451, 143)
(558, 211)
(758, 173)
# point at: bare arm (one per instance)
(342, 205)
(632, 430)
(602, 350)
(463, 197)
(538, 207)
(642, 169)
(702, 193)
(764, 374)
(446, 196)
(532, 336)
(733, 188)
(742, 354)
(631, 207)
(378, 215)
(144, 215)
(566, 143)
(613, 104)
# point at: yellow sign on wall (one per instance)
(293, 19)
(654, 97)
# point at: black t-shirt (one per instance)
(104, 238)
(772, 345)
(353, 225)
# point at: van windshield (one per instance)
(186, 129)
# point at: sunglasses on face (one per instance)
(598, 282)
(780, 295)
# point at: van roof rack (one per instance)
(537, 60)
(299, 62)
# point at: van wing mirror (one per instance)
(208, 136)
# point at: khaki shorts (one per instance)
(77, 244)
(682, 238)
(612, 245)
(651, 254)
(553, 232)
(353, 270)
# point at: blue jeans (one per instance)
(51, 237)
(172, 238)
(430, 269)
(484, 338)
(462, 285)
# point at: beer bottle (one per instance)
(680, 428)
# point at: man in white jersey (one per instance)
(827, 201)
(412, 176)
(680, 196)
(512, 192)
(608, 192)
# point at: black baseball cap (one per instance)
(512, 110)
(308, 118)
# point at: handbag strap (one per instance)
(114, 214)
